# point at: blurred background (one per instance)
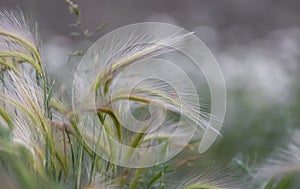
(256, 43)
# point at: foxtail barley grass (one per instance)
(45, 143)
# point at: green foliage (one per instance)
(282, 184)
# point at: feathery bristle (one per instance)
(23, 101)
(19, 40)
(285, 160)
(16, 23)
(211, 178)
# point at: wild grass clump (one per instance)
(42, 143)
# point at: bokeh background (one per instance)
(256, 43)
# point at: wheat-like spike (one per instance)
(22, 100)
(18, 24)
(19, 41)
(120, 61)
(211, 178)
(285, 160)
